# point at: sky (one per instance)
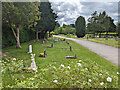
(69, 10)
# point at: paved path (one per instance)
(108, 52)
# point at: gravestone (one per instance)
(45, 53)
(116, 39)
(56, 39)
(71, 57)
(43, 41)
(70, 48)
(106, 38)
(51, 45)
(63, 39)
(30, 49)
(33, 64)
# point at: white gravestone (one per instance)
(33, 65)
(30, 49)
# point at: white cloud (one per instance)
(69, 10)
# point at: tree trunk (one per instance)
(100, 35)
(17, 38)
(49, 34)
(37, 35)
(45, 37)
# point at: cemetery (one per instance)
(57, 65)
(48, 45)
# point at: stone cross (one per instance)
(33, 65)
(30, 49)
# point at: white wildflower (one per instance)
(79, 64)
(100, 74)
(62, 65)
(55, 81)
(107, 72)
(109, 79)
(89, 80)
(54, 67)
(68, 67)
(80, 60)
(86, 68)
(14, 59)
(101, 83)
(118, 73)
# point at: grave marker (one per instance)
(70, 48)
(30, 49)
(51, 45)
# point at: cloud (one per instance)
(69, 11)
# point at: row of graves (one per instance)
(44, 54)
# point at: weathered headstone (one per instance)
(71, 57)
(106, 38)
(63, 39)
(51, 45)
(116, 39)
(45, 53)
(43, 41)
(30, 49)
(87, 36)
(33, 64)
(70, 48)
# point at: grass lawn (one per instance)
(110, 41)
(53, 71)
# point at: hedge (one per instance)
(9, 40)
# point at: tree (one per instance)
(47, 21)
(19, 13)
(80, 26)
(99, 23)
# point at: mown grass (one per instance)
(110, 41)
(55, 55)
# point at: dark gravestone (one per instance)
(87, 36)
(51, 45)
(45, 53)
(106, 38)
(63, 39)
(70, 48)
(116, 39)
(71, 57)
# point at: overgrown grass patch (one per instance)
(50, 69)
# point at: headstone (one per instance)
(116, 39)
(71, 57)
(70, 48)
(106, 38)
(33, 64)
(87, 36)
(63, 39)
(43, 41)
(45, 53)
(51, 44)
(30, 49)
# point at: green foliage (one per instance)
(8, 39)
(79, 74)
(66, 29)
(43, 78)
(80, 26)
(99, 23)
